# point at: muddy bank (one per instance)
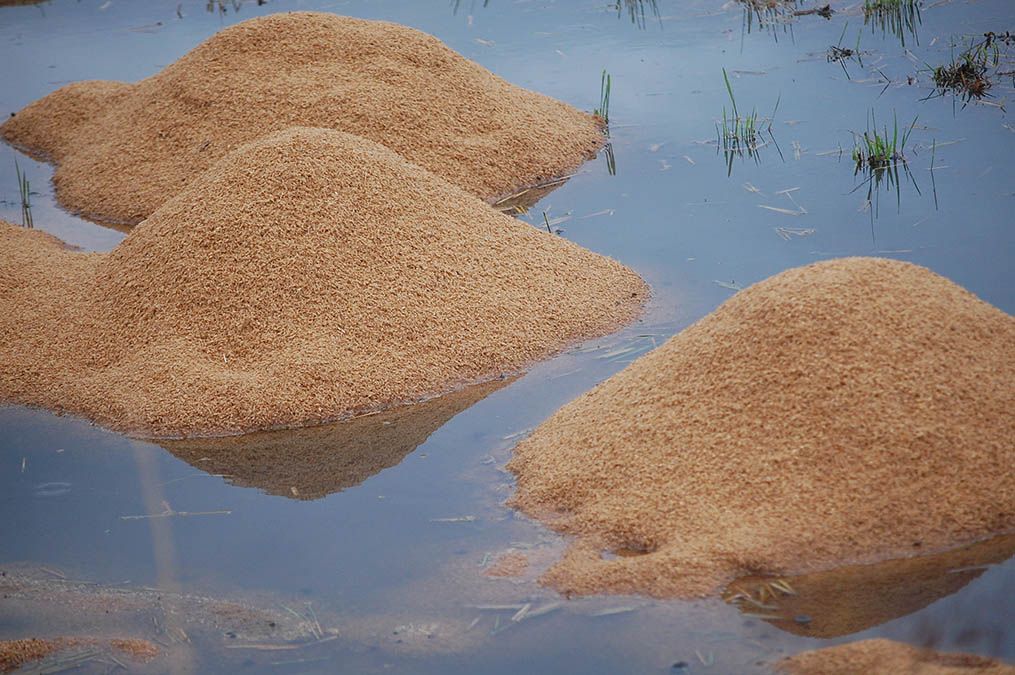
(309, 276)
(122, 150)
(852, 410)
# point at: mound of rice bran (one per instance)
(852, 410)
(309, 275)
(885, 657)
(122, 150)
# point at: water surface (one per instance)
(392, 556)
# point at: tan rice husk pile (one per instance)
(885, 657)
(313, 462)
(122, 150)
(16, 653)
(847, 411)
(852, 598)
(308, 276)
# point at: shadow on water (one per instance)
(313, 462)
(850, 599)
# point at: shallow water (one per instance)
(393, 558)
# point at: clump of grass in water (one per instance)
(838, 53)
(879, 155)
(741, 134)
(967, 74)
(875, 151)
(25, 192)
(604, 98)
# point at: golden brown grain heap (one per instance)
(123, 149)
(307, 276)
(16, 653)
(884, 657)
(849, 411)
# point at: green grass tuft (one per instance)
(740, 134)
(25, 192)
(604, 98)
(968, 73)
(877, 150)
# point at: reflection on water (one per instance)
(774, 16)
(223, 6)
(313, 462)
(899, 18)
(635, 9)
(886, 179)
(847, 600)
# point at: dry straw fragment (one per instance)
(122, 150)
(309, 275)
(849, 411)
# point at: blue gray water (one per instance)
(402, 550)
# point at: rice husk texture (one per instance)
(122, 150)
(309, 276)
(850, 411)
(885, 657)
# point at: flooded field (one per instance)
(384, 543)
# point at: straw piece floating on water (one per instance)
(849, 411)
(309, 275)
(122, 150)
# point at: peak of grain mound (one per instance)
(309, 275)
(885, 657)
(849, 411)
(123, 149)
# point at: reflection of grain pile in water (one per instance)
(849, 411)
(884, 657)
(848, 599)
(124, 149)
(308, 276)
(313, 462)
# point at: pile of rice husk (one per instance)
(313, 462)
(849, 411)
(308, 276)
(885, 657)
(122, 150)
(852, 598)
(16, 653)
